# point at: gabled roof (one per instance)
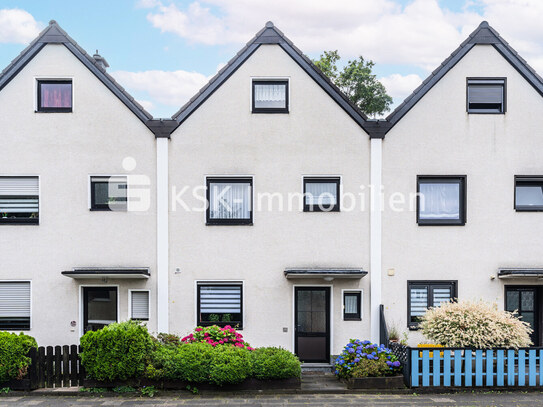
(272, 35)
(484, 34)
(53, 34)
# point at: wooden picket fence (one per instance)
(58, 366)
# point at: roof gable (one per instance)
(272, 35)
(53, 34)
(484, 35)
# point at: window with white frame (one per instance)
(220, 304)
(425, 294)
(139, 305)
(14, 305)
(229, 201)
(441, 200)
(270, 96)
(109, 193)
(321, 194)
(19, 200)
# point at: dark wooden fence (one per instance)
(58, 366)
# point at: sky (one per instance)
(164, 51)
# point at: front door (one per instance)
(99, 307)
(525, 301)
(312, 324)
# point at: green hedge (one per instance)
(230, 365)
(189, 362)
(118, 351)
(13, 350)
(274, 363)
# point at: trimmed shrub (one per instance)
(479, 325)
(215, 335)
(274, 363)
(367, 359)
(13, 350)
(230, 365)
(117, 351)
(189, 362)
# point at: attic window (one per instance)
(270, 96)
(486, 95)
(55, 96)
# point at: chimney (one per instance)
(100, 61)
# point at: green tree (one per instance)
(357, 81)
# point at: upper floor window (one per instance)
(529, 193)
(486, 95)
(441, 200)
(229, 201)
(270, 96)
(54, 96)
(15, 305)
(321, 194)
(425, 294)
(19, 200)
(109, 193)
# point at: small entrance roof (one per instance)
(106, 272)
(326, 273)
(520, 273)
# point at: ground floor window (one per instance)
(422, 295)
(352, 305)
(15, 305)
(139, 305)
(220, 304)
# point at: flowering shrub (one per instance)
(479, 325)
(365, 359)
(215, 335)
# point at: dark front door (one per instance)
(99, 307)
(525, 300)
(312, 324)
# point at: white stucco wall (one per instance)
(223, 137)
(64, 149)
(438, 137)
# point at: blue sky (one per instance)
(162, 51)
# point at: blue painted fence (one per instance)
(454, 367)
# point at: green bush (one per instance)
(13, 350)
(274, 363)
(229, 365)
(370, 368)
(189, 362)
(117, 351)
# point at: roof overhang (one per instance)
(92, 272)
(520, 273)
(326, 273)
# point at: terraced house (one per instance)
(269, 201)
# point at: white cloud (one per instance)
(400, 86)
(18, 26)
(171, 88)
(147, 104)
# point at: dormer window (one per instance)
(270, 96)
(54, 96)
(486, 95)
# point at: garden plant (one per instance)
(365, 359)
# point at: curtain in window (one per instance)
(351, 304)
(419, 301)
(220, 299)
(321, 193)
(270, 95)
(56, 95)
(230, 200)
(439, 201)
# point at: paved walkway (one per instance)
(462, 399)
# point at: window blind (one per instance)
(140, 305)
(419, 301)
(15, 305)
(19, 194)
(486, 94)
(220, 299)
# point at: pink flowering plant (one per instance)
(366, 359)
(215, 335)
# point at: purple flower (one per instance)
(356, 360)
(396, 364)
(351, 350)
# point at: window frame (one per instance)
(261, 81)
(526, 178)
(105, 207)
(40, 109)
(228, 222)
(462, 199)
(485, 111)
(23, 221)
(413, 326)
(317, 180)
(358, 315)
(233, 324)
(130, 293)
(31, 310)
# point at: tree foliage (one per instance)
(357, 82)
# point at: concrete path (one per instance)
(461, 399)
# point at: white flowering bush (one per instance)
(481, 325)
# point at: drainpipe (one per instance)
(375, 236)
(162, 233)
